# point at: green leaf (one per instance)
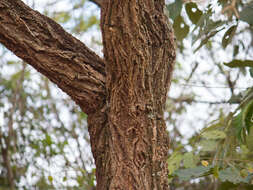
(80, 180)
(237, 123)
(12, 62)
(50, 178)
(247, 13)
(236, 50)
(189, 160)
(174, 161)
(228, 36)
(193, 12)
(190, 173)
(208, 145)
(214, 126)
(247, 115)
(181, 28)
(214, 134)
(251, 72)
(244, 173)
(174, 9)
(48, 140)
(216, 171)
(232, 175)
(83, 115)
(239, 63)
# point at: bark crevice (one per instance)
(139, 55)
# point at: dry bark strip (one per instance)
(124, 94)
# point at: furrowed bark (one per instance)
(124, 95)
(139, 55)
(59, 56)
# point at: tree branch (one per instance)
(59, 56)
(97, 2)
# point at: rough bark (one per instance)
(44, 44)
(123, 95)
(139, 56)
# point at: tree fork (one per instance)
(124, 94)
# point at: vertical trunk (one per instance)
(131, 148)
(127, 130)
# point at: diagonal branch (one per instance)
(59, 56)
(97, 2)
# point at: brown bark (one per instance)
(139, 55)
(123, 95)
(63, 59)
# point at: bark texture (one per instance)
(123, 95)
(139, 55)
(44, 44)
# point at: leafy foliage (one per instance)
(239, 63)
(191, 173)
(220, 152)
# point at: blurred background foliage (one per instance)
(44, 142)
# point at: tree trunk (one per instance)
(139, 56)
(124, 94)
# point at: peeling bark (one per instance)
(124, 94)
